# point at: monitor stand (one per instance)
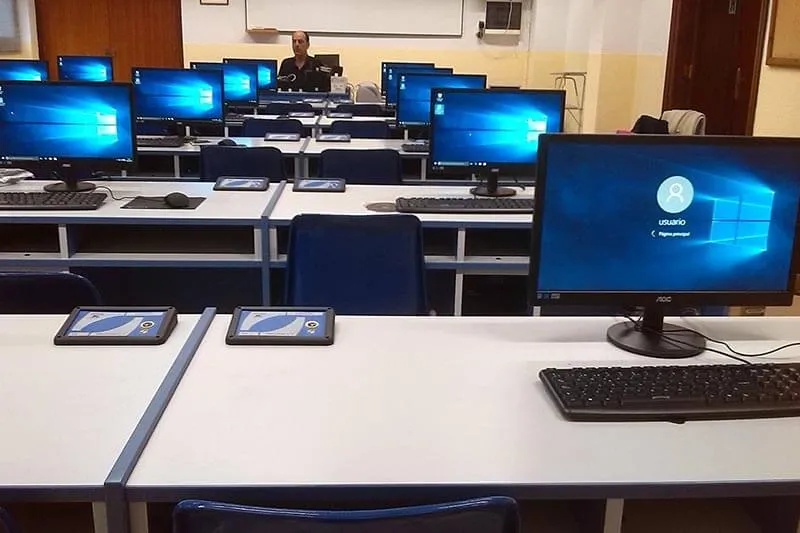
(70, 182)
(652, 338)
(490, 187)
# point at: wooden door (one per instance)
(141, 33)
(714, 61)
(71, 27)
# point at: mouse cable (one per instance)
(110, 192)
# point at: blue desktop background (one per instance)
(23, 70)
(393, 78)
(267, 71)
(66, 120)
(414, 93)
(500, 127)
(389, 65)
(601, 212)
(178, 94)
(241, 80)
(84, 68)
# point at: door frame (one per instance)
(672, 68)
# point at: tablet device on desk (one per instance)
(334, 137)
(229, 183)
(301, 114)
(319, 185)
(336, 114)
(286, 326)
(282, 137)
(117, 326)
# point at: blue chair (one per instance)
(361, 110)
(362, 129)
(7, 525)
(364, 167)
(359, 265)
(259, 127)
(45, 292)
(284, 108)
(263, 161)
(485, 515)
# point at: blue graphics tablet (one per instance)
(281, 325)
(319, 185)
(228, 183)
(115, 326)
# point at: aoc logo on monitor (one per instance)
(675, 194)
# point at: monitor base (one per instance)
(75, 186)
(668, 342)
(498, 192)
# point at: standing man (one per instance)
(301, 72)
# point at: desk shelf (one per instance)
(168, 239)
(33, 238)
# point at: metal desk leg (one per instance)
(612, 523)
(298, 166)
(461, 240)
(138, 517)
(176, 163)
(99, 517)
(423, 171)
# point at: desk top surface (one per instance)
(355, 199)
(237, 206)
(305, 121)
(316, 147)
(67, 411)
(287, 147)
(447, 401)
(325, 120)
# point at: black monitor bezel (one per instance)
(273, 62)
(386, 64)
(399, 72)
(523, 170)
(399, 108)
(77, 164)
(42, 61)
(182, 120)
(651, 299)
(110, 63)
(229, 102)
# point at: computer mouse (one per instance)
(227, 142)
(177, 200)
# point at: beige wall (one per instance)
(778, 109)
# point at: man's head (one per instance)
(300, 42)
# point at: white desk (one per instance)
(307, 122)
(325, 122)
(462, 258)
(447, 406)
(68, 411)
(314, 148)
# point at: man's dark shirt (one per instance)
(307, 78)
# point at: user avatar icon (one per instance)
(675, 194)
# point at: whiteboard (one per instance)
(9, 32)
(377, 17)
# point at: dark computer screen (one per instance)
(386, 65)
(23, 70)
(393, 79)
(241, 80)
(491, 128)
(414, 93)
(178, 94)
(267, 71)
(695, 219)
(85, 68)
(50, 122)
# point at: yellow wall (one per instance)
(778, 109)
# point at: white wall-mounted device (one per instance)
(502, 18)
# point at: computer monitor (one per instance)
(393, 79)
(70, 129)
(85, 68)
(241, 81)
(656, 221)
(491, 132)
(267, 71)
(414, 93)
(386, 66)
(178, 95)
(23, 70)
(329, 60)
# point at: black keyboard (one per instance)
(51, 201)
(675, 393)
(416, 148)
(169, 141)
(493, 206)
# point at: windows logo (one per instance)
(743, 220)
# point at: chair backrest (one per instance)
(359, 265)
(284, 108)
(685, 122)
(262, 161)
(485, 515)
(45, 292)
(364, 167)
(361, 110)
(7, 525)
(368, 92)
(259, 127)
(362, 129)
